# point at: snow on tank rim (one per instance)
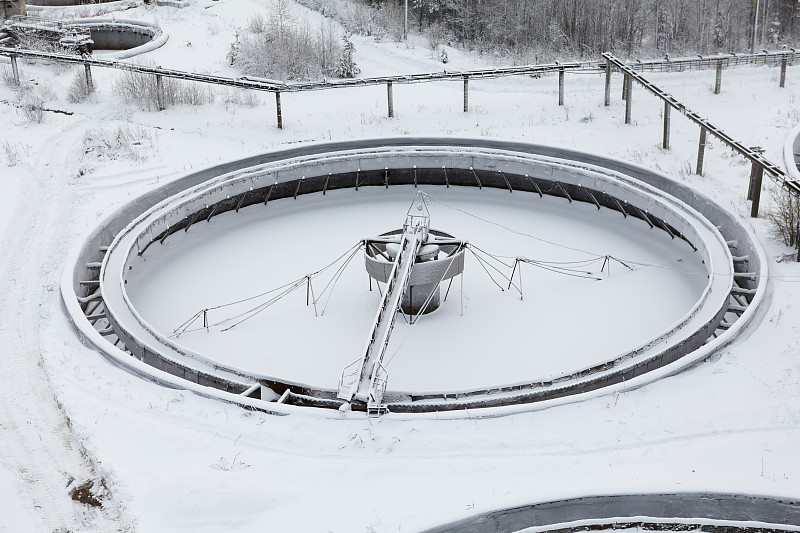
(670, 511)
(83, 256)
(112, 23)
(158, 219)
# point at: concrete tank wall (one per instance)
(64, 3)
(118, 37)
(90, 252)
(680, 508)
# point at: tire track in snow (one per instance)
(37, 438)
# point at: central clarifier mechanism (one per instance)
(412, 263)
(440, 257)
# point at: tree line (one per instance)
(585, 28)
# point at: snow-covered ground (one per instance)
(172, 461)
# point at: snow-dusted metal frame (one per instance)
(299, 169)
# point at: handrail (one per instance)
(277, 86)
(755, 157)
(263, 84)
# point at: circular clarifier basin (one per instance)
(589, 284)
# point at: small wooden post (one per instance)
(784, 60)
(608, 83)
(667, 110)
(628, 98)
(466, 94)
(14, 69)
(758, 174)
(278, 108)
(718, 82)
(701, 150)
(561, 87)
(751, 181)
(624, 86)
(391, 100)
(89, 83)
(160, 92)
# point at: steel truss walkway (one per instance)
(365, 379)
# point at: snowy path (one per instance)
(36, 434)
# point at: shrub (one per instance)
(280, 48)
(78, 90)
(33, 109)
(7, 75)
(142, 89)
(784, 218)
(11, 153)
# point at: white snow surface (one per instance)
(172, 461)
(499, 340)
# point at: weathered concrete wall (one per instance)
(63, 3)
(9, 8)
(119, 37)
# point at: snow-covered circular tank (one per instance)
(570, 278)
(570, 314)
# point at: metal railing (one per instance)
(630, 70)
(279, 86)
(711, 61)
(759, 162)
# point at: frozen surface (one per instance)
(500, 339)
(175, 462)
(17, 515)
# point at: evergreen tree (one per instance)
(347, 66)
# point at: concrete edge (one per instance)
(158, 216)
(737, 511)
(792, 139)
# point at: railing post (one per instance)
(608, 83)
(278, 109)
(784, 59)
(753, 167)
(667, 110)
(755, 187)
(628, 95)
(624, 86)
(390, 98)
(160, 92)
(466, 94)
(561, 87)
(701, 150)
(14, 69)
(89, 83)
(718, 82)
